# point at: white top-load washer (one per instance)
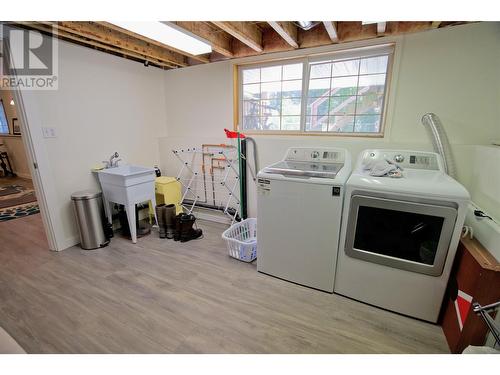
(400, 235)
(299, 215)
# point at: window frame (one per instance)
(372, 50)
(266, 65)
(6, 119)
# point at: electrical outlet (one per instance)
(49, 132)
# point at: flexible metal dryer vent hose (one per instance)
(436, 133)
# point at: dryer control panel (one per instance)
(318, 155)
(406, 159)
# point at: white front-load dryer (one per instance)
(299, 215)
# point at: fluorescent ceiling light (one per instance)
(168, 35)
(368, 22)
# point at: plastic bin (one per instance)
(168, 191)
(241, 240)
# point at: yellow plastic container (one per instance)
(168, 191)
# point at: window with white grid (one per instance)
(340, 93)
(346, 96)
(272, 97)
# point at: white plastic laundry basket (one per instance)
(241, 240)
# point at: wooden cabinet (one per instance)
(475, 278)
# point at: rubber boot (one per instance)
(161, 219)
(187, 231)
(170, 220)
(177, 230)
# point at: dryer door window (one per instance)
(400, 234)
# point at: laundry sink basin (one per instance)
(126, 175)
(127, 185)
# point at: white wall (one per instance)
(452, 72)
(104, 104)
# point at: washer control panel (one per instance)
(320, 155)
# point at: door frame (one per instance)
(38, 160)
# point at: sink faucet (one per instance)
(112, 162)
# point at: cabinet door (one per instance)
(470, 277)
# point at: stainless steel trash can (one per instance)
(90, 217)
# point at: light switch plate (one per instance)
(49, 132)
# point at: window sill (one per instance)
(316, 134)
(10, 135)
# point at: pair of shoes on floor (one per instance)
(184, 230)
(166, 220)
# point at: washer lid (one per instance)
(304, 169)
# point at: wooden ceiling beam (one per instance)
(396, 28)
(218, 39)
(351, 31)
(44, 27)
(317, 36)
(271, 42)
(246, 32)
(331, 29)
(287, 30)
(228, 39)
(99, 33)
(111, 26)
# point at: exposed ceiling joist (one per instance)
(228, 39)
(111, 26)
(331, 29)
(396, 28)
(45, 27)
(352, 31)
(317, 36)
(271, 43)
(246, 32)
(287, 30)
(99, 33)
(218, 39)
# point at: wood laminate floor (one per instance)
(160, 296)
(4, 181)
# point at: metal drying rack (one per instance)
(198, 166)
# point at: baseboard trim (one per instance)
(202, 214)
(68, 242)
